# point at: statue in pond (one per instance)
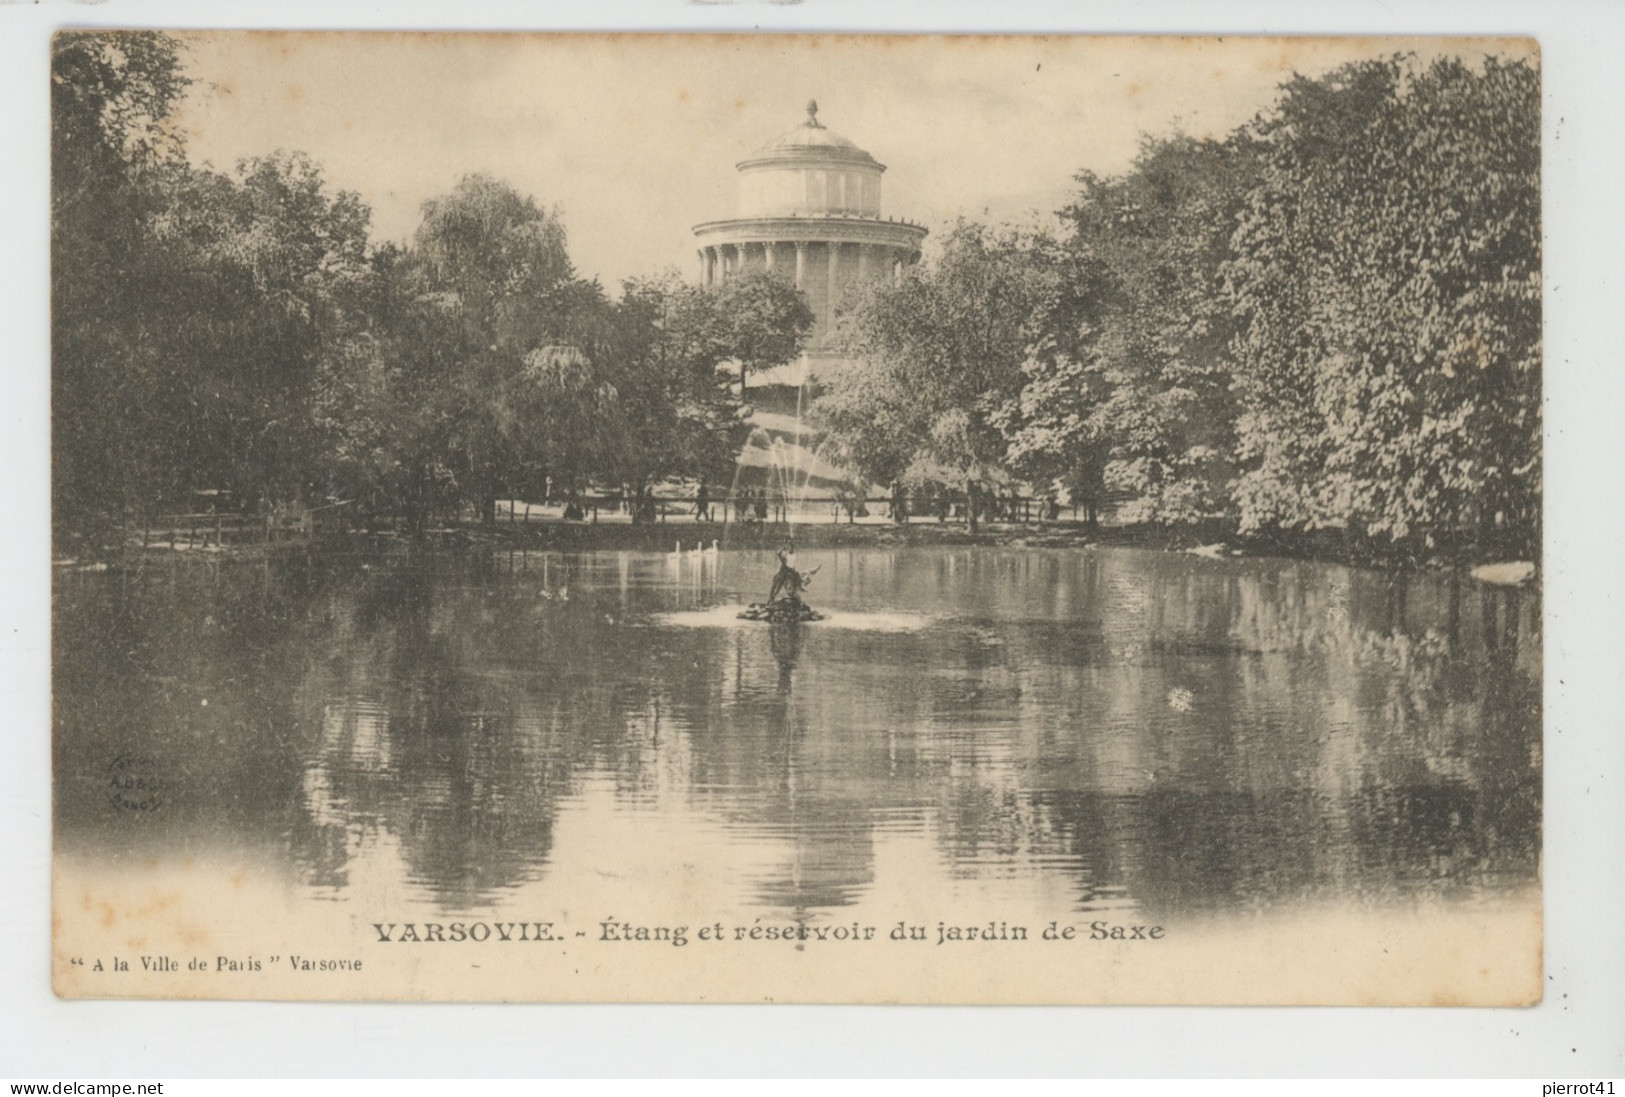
(784, 605)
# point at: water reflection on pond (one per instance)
(1105, 728)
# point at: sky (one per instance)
(634, 138)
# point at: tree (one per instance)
(1128, 389)
(266, 327)
(678, 415)
(112, 155)
(766, 320)
(202, 322)
(870, 421)
(1162, 232)
(1057, 434)
(491, 285)
(940, 355)
(1387, 276)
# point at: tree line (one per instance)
(1327, 320)
(236, 334)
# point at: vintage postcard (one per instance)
(754, 518)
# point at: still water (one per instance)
(1094, 730)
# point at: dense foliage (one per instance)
(935, 358)
(235, 336)
(1386, 272)
(1329, 319)
(114, 403)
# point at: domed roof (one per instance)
(810, 140)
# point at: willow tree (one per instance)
(491, 286)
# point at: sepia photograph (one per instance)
(796, 518)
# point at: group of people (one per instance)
(755, 505)
(991, 506)
(749, 505)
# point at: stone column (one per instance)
(701, 255)
(767, 254)
(739, 259)
(831, 287)
(801, 263)
(863, 262)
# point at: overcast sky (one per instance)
(634, 138)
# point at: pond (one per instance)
(1068, 730)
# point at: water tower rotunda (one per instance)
(809, 206)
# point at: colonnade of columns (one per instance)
(719, 262)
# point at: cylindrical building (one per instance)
(809, 206)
